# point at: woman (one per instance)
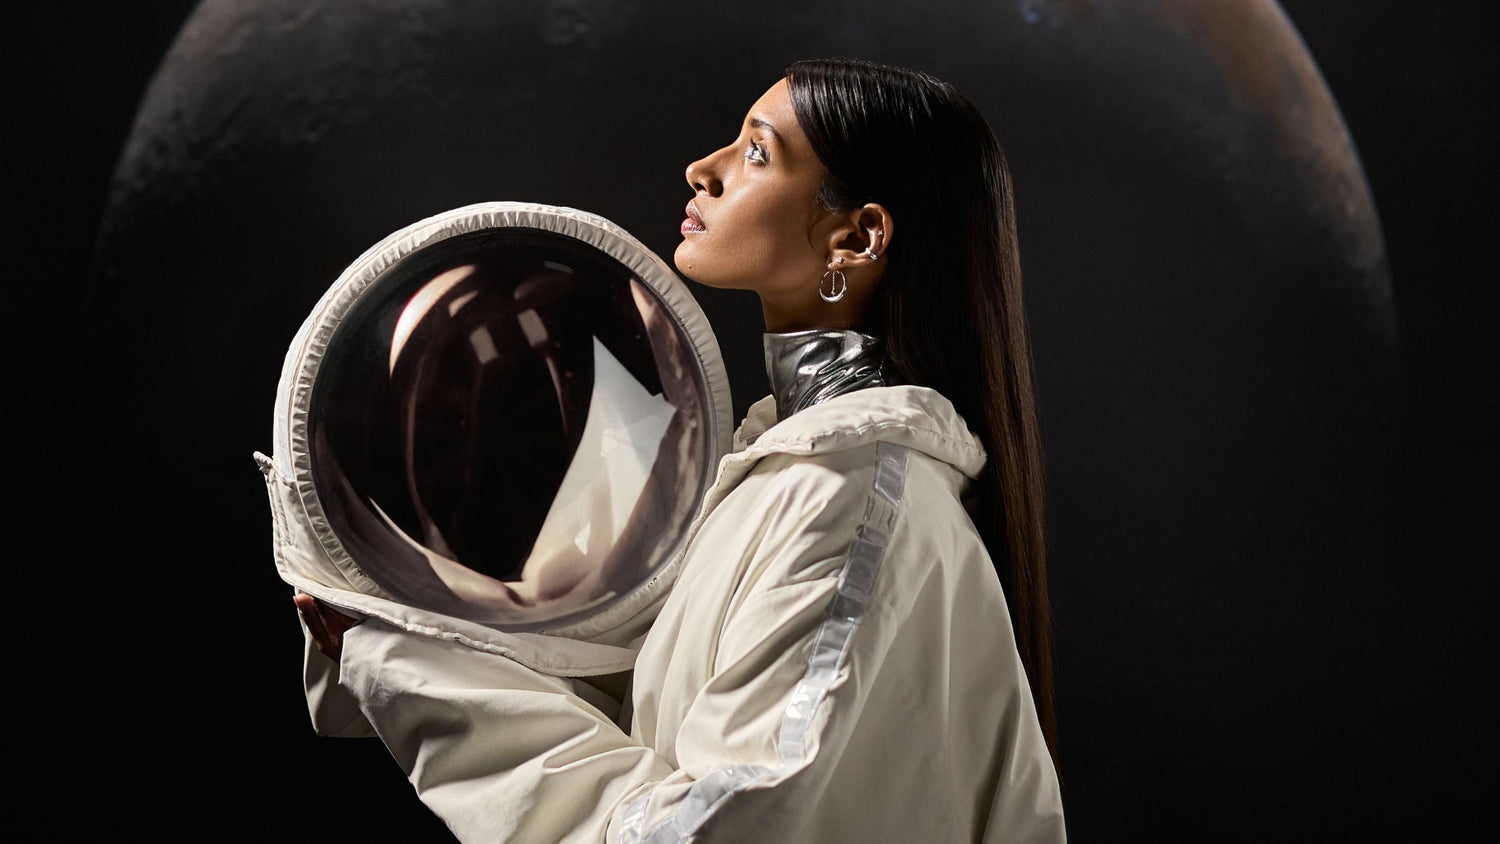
(836, 661)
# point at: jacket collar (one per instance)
(916, 417)
(812, 366)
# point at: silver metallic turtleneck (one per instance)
(807, 367)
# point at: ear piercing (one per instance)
(838, 285)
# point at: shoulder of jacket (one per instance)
(917, 418)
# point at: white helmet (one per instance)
(499, 421)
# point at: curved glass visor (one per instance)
(508, 427)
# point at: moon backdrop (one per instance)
(1206, 279)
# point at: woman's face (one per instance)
(754, 222)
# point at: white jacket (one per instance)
(834, 663)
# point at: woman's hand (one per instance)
(326, 624)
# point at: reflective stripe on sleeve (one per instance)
(829, 653)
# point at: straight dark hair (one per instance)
(949, 306)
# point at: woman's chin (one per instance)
(683, 258)
(689, 268)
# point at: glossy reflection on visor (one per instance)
(508, 427)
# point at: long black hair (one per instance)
(949, 306)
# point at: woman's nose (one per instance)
(700, 175)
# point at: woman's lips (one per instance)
(693, 223)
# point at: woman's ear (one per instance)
(863, 236)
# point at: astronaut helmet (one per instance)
(506, 414)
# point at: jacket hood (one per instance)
(919, 418)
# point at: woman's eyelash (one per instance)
(756, 153)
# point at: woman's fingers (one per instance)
(307, 606)
(325, 624)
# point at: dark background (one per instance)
(138, 669)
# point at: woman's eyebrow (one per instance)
(757, 123)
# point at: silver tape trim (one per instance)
(830, 651)
(631, 820)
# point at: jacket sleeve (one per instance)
(499, 751)
(333, 710)
(804, 637)
(504, 753)
(758, 747)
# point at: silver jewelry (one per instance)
(871, 252)
(838, 285)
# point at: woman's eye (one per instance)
(756, 153)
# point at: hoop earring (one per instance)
(837, 284)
